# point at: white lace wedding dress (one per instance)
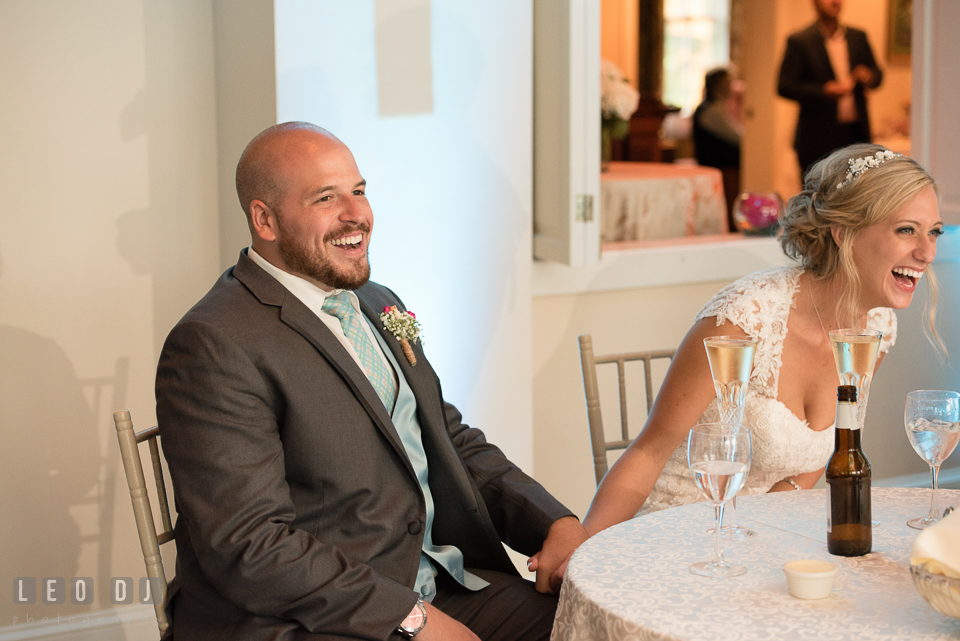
(783, 445)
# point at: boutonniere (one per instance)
(404, 326)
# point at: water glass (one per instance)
(932, 421)
(718, 455)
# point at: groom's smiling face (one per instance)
(322, 220)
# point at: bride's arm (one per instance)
(686, 392)
(806, 481)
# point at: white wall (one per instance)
(936, 92)
(450, 187)
(108, 179)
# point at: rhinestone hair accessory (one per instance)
(860, 165)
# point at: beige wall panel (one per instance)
(109, 179)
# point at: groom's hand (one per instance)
(550, 563)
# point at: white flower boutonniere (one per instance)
(404, 326)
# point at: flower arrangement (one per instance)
(758, 213)
(404, 326)
(618, 101)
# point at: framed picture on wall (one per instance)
(898, 39)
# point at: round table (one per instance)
(632, 582)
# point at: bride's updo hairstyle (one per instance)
(851, 189)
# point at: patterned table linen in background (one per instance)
(632, 583)
(651, 201)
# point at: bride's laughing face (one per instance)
(892, 255)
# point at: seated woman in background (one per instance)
(864, 231)
(716, 134)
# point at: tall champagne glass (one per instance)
(932, 421)
(731, 362)
(719, 458)
(855, 353)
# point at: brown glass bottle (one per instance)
(849, 531)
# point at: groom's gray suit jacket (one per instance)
(299, 513)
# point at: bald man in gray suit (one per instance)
(325, 488)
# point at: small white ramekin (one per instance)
(810, 578)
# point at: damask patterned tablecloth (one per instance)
(647, 201)
(632, 582)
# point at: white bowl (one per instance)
(810, 578)
(941, 592)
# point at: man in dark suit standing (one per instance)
(827, 68)
(325, 489)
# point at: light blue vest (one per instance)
(408, 427)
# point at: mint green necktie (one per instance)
(376, 370)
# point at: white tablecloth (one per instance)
(632, 582)
(648, 201)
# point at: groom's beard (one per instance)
(318, 264)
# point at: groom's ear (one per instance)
(263, 221)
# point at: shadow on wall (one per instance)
(59, 475)
(61, 471)
(173, 240)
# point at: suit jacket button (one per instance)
(414, 527)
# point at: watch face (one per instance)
(414, 621)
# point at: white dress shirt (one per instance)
(313, 297)
(839, 54)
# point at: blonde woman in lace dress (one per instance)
(863, 232)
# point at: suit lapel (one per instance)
(299, 318)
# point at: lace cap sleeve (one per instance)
(884, 320)
(755, 300)
(731, 305)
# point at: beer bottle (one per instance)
(849, 530)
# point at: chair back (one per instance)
(150, 541)
(589, 362)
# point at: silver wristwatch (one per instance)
(415, 621)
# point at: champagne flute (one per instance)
(932, 421)
(719, 458)
(731, 362)
(855, 353)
